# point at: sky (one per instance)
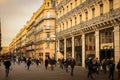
(13, 15)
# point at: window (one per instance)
(75, 20)
(75, 2)
(47, 55)
(93, 12)
(67, 8)
(71, 5)
(63, 26)
(80, 18)
(47, 45)
(71, 22)
(101, 9)
(48, 4)
(66, 24)
(48, 14)
(86, 13)
(48, 34)
(111, 5)
(63, 10)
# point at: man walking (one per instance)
(111, 69)
(7, 64)
(72, 65)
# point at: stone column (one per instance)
(65, 48)
(58, 49)
(97, 44)
(117, 43)
(73, 48)
(83, 50)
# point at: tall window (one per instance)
(71, 5)
(63, 10)
(101, 9)
(111, 5)
(86, 13)
(93, 12)
(63, 26)
(47, 45)
(75, 20)
(67, 8)
(71, 22)
(48, 34)
(75, 2)
(66, 24)
(80, 18)
(48, 14)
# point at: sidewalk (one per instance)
(19, 72)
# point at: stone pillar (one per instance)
(64, 48)
(73, 48)
(83, 50)
(97, 44)
(117, 43)
(58, 49)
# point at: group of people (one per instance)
(66, 63)
(94, 66)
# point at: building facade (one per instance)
(88, 28)
(45, 30)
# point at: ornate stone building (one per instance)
(88, 28)
(45, 30)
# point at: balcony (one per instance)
(43, 18)
(44, 39)
(42, 28)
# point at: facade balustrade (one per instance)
(42, 28)
(44, 39)
(105, 18)
(84, 4)
(44, 17)
(80, 7)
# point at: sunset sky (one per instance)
(14, 14)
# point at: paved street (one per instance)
(19, 72)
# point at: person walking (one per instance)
(72, 65)
(118, 67)
(111, 69)
(7, 64)
(46, 63)
(28, 63)
(37, 62)
(90, 67)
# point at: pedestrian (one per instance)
(37, 62)
(111, 69)
(90, 67)
(104, 64)
(7, 64)
(52, 63)
(67, 63)
(28, 63)
(46, 63)
(72, 65)
(118, 67)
